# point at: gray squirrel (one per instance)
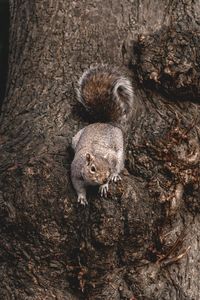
(99, 147)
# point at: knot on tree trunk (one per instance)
(169, 61)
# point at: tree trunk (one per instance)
(142, 242)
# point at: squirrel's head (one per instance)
(96, 171)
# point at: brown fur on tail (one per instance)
(107, 95)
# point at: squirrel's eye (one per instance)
(93, 169)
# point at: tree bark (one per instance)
(142, 242)
(4, 23)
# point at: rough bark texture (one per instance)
(142, 242)
(4, 23)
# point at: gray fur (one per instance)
(100, 146)
(100, 140)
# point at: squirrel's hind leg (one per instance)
(76, 138)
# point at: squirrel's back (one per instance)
(107, 95)
(99, 138)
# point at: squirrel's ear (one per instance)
(88, 158)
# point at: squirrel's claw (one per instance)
(82, 200)
(115, 178)
(103, 189)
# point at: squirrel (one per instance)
(99, 147)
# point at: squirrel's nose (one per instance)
(105, 180)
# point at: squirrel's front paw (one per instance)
(103, 189)
(82, 199)
(115, 178)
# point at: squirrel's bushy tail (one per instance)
(107, 95)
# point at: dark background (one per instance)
(4, 32)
